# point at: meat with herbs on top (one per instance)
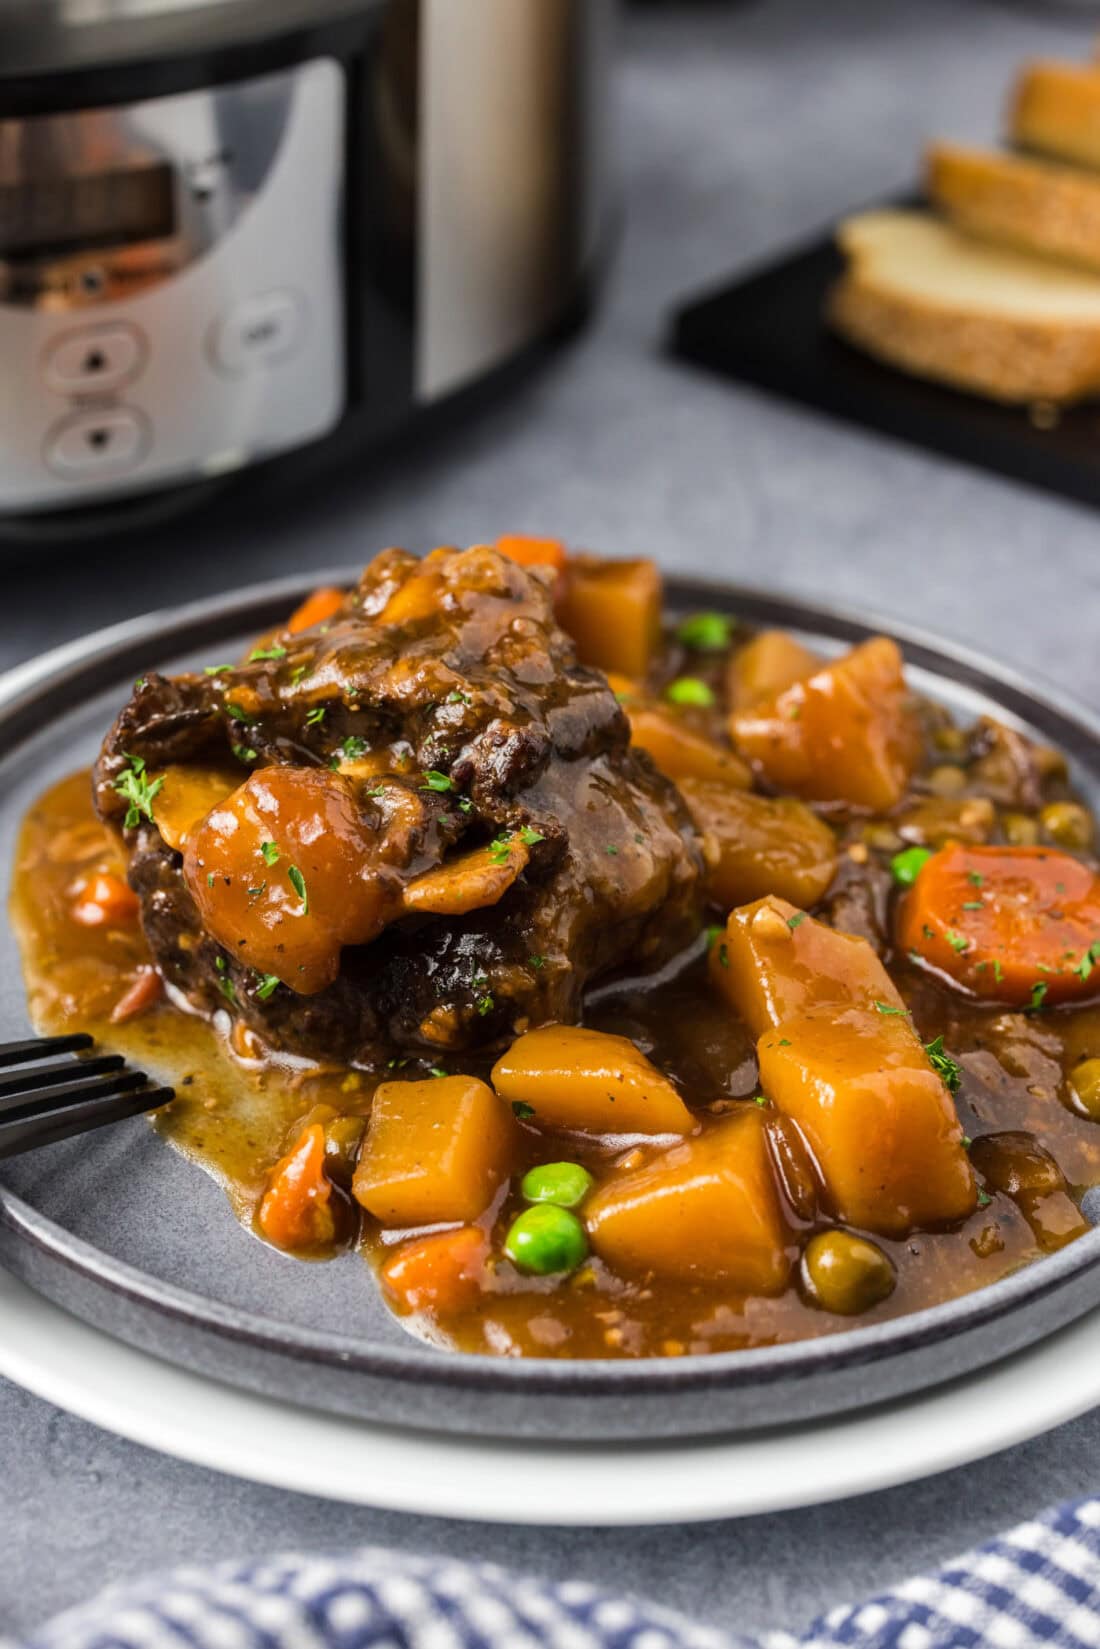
(669, 987)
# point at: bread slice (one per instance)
(1035, 205)
(923, 296)
(1056, 111)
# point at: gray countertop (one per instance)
(742, 128)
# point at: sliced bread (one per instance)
(1035, 205)
(1056, 111)
(923, 296)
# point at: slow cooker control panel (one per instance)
(171, 287)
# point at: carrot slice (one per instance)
(147, 988)
(315, 609)
(442, 1272)
(296, 1211)
(533, 552)
(106, 901)
(1013, 924)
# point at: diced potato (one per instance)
(705, 1210)
(186, 797)
(848, 733)
(775, 961)
(612, 609)
(878, 1119)
(589, 1081)
(435, 1151)
(755, 845)
(766, 665)
(471, 882)
(682, 753)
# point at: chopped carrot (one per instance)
(533, 552)
(296, 1211)
(315, 609)
(106, 901)
(1012, 924)
(147, 988)
(417, 599)
(442, 1272)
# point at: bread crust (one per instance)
(1055, 110)
(1011, 360)
(1032, 205)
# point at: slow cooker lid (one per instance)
(47, 37)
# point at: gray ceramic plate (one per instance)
(126, 1234)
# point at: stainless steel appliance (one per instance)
(233, 232)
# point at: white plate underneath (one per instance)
(130, 1392)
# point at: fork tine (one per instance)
(37, 1047)
(58, 1070)
(29, 1102)
(64, 1122)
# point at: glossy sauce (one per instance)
(237, 1109)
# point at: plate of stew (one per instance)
(593, 1009)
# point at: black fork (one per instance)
(58, 1088)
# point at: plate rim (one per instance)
(126, 644)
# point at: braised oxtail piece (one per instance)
(409, 822)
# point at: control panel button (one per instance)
(258, 332)
(94, 358)
(103, 441)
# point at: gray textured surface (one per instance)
(742, 128)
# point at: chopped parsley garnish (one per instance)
(238, 712)
(885, 1007)
(1088, 961)
(269, 984)
(378, 790)
(244, 753)
(484, 1004)
(1038, 996)
(958, 941)
(434, 780)
(723, 956)
(984, 1199)
(529, 837)
(522, 1110)
(437, 1070)
(210, 878)
(297, 673)
(270, 853)
(216, 669)
(975, 878)
(690, 690)
(907, 865)
(465, 804)
(536, 961)
(316, 717)
(139, 684)
(134, 787)
(973, 904)
(706, 632)
(711, 934)
(458, 698)
(944, 1066)
(611, 849)
(784, 1042)
(225, 984)
(255, 892)
(259, 653)
(998, 971)
(298, 883)
(353, 747)
(760, 1100)
(796, 920)
(500, 849)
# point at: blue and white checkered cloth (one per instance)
(1040, 1583)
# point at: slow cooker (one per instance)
(258, 230)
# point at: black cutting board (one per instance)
(766, 329)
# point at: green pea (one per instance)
(545, 1239)
(706, 632)
(563, 1183)
(908, 864)
(689, 690)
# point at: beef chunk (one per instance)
(477, 841)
